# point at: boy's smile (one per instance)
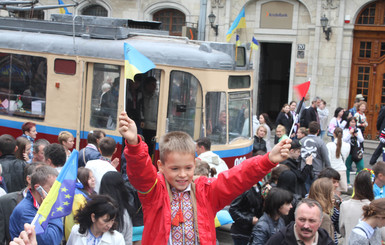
(178, 169)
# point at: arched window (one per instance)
(372, 14)
(172, 20)
(95, 10)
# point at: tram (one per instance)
(57, 73)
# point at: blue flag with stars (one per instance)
(58, 202)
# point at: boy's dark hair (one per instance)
(56, 153)
(107, 146)
(314, 127)
(7, 144)
(276, 172)
(38, 143)
(205, 142)
(95, 135)
(363, 186)
(275, 199)
(99, 205)
(329, 173)
(26, 127)
(295, 144)
(379, 168)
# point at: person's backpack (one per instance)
(356, 150)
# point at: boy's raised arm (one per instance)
(127, 128)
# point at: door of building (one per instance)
(274, 74)
(368, 62)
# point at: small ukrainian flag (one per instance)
(135, 62)
(254, 44)
(237, 41)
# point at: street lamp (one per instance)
(327, 29)
(212, 19)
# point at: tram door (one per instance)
(274, 74)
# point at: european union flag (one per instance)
(135, 62)
(58, 202)
(239, 22)
(63, 10)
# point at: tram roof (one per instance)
(161, 49)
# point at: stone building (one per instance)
(342, 59)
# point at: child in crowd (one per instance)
(163, 195)
(379, 180)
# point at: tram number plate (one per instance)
(239, 160)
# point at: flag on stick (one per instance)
(301, 90)
(58, 202)
(237, 44)
(135, 62)
(239, 22)
(254, 44)
(63, 10)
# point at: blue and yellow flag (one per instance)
(58, 202)
(135, 62)
(254, 44)
(237, 41)
(239, 22)
(223, 217)
(63, 10)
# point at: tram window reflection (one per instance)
(105, 96)
(23, 81)
(216, 117)
(184, 104)
(239, 116)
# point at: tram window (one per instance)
(239, 82)
(241, 56)
(184, 111)
(66, 67)
(105, 96)
(216, 117)
(239, 116)
(23, 81)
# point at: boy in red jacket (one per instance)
(176, 209)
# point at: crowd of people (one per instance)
(289, 192)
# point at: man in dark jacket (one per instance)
(310, 114)
(12, 168)
(245, 211)
(380, 127)
(294, 163)
(306, 228)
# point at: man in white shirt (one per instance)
(205, 154)
(107, 147)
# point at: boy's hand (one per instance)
(309, 160)
(280, 152)
(127, 128)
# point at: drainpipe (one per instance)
(202, 20)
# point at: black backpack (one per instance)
(357, 152)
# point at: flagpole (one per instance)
(251, 53)
(236, 52)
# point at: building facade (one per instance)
(342, 59)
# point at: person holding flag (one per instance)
(41, 183)
(49, 198)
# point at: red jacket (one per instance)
(211, 194)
